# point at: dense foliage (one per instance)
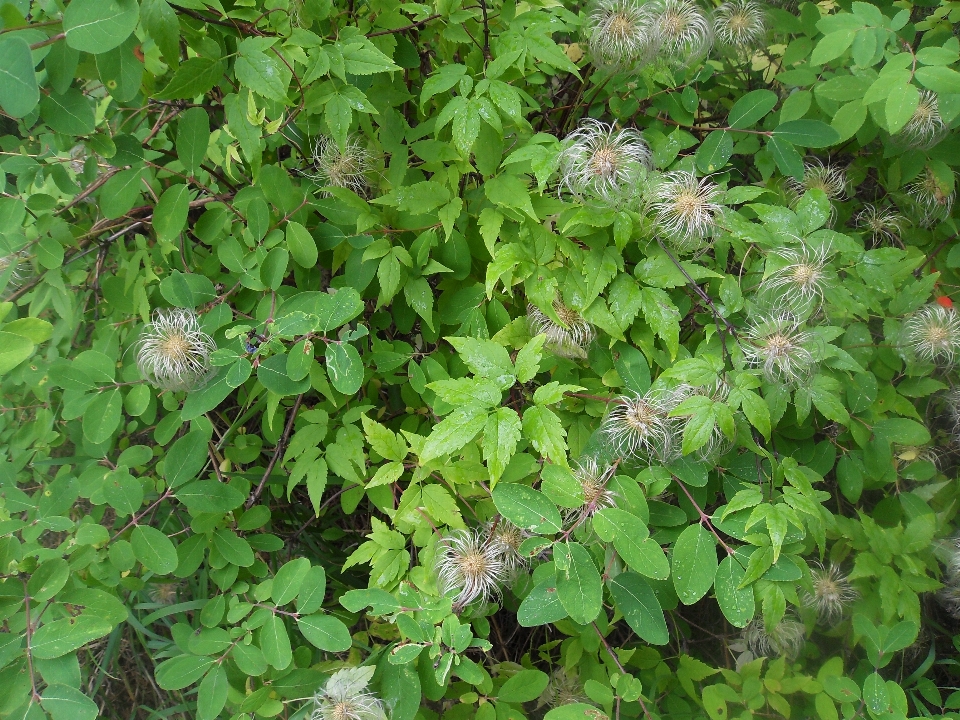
(366, 359)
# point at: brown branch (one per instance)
(277, 452)
(49, 41)
(413, 26)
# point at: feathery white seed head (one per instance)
(806, 274)
(593, 479)
(565, 688)
(639, 426)
(618, 33)
(347, 168)
(173, 353)
(925, 128)
(571, 339)
(345, 697)
(740, 24)
(949, 596)
(14, 260)
(832, 593)
(682, 33)
(781, 347)
(785, 640)
(469, 563)
(603, 161)
(507, 538)
(685, 209)
(932, 201)
(883, 224)
(831, 179)
(933, 332)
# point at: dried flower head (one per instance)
(932, 200)
(570, 339)
(832, 593)
(804, 276)
(345, 697)
(618, 33)
(467, 561)
(785, 640)
(507, 537)
(593, 478)
(565, 688)
(831, 179)
(685, 208)
(780, 346)
(173, 353)
(925, 128)
(14, 261)
(681, 32)
(883, 224)
(640, 426)
(602, 161)
(163, 593)
(342, 168)
(740, 24)
(949, 595)
(933, 332)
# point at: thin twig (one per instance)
(277, 452)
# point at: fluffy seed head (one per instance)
(739, 24)
(618, 33)
(685, 208)
(949, 596)
(507, 537)
(469, 563)
(933, 332)
(831, 179)
(925, 128)
(593, 479)
(781, 347)
(604, 162)
(163, 593)
(804, 277)
(785, 640)
(13, 260)
(681, 32)
(570, 339)
(882, 223)
(347, 168)
(565, 688)
(640, 426)
(344, 697)
(173, 353)
(933, 202)
(832, 593)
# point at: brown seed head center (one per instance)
(175, 345)
(605, 162)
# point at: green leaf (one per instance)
(523, 687)
(103, 415)
(193, 136)
(526, 508)
(19, 93)
(260, 72)
(578, 583)
(48, 579)
(160, 22)
(63, 702)
(185, 458)
(807, 133)
(939, 79)
(528, 359)
(210, 496)
(302, 245)
(786, 157)
(832, 46)
(508, 191)
(194, 77)
(170, 214)
(95, 26)
(123, 492)
(179, 672)
(325, 632)
(545, 431)
(275, 643)
(234, 549)
(750, 108)
(694, 563)
(736, 603)
(70, 113)
(640, 607)
(453, 432)
(212, 693)
(14, 349)
(56, 639)
(272, 372)
(875, 694)
(714, 151)
(344, 367)
(120, 193)
(902, 101)
(154, 550)
(500, 437)
(541, 606)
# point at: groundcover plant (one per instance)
(380, 360)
